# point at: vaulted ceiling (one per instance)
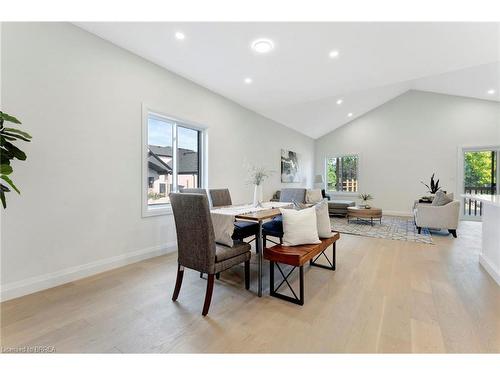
(298, 84)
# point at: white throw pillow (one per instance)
(313, 195)
(223, 228)
(299, 227)
(323, 220)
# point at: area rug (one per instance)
(391, 228)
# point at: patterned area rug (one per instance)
(392, 228)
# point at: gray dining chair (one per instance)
(196, 244)
(242, 229)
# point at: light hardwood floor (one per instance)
(386, 296)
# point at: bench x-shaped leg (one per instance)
(274, 291)
(332, 263)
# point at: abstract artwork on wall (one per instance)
(290, 168)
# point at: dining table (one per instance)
(259, 214)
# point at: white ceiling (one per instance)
(297, 84)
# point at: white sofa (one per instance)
(437, 217)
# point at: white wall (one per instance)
(80, 97)
(407, 139)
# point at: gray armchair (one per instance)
(197, 249)
(428, 216)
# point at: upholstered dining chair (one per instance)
(274, 228)
(242, 229)
(196, 244)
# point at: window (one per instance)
(342, 173)
(173, 160)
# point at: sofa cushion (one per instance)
(299, 227)
(293, 195)
(442, 199)
(313, 196)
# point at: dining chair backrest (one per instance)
(220, 197)
(193, 191)
(195, 232)
(293, 195)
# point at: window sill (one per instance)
(157, 211)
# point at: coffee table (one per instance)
(364, 214)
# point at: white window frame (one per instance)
(166, 209)
(325, 169)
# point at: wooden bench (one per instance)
(297, 256)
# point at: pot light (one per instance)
(340, 101)
(248, 81)
(349, 114)
(334, 54)
(262, 45)
(179, 35)
(491, 91)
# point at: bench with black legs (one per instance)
(297, 256)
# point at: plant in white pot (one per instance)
(256, 176)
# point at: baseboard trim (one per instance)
(490, 268)
(50, 280)
(397, 213)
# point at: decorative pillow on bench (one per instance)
(299, 226)
(324, 225)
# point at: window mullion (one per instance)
(174, 158)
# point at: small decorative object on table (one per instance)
(365, 198)
(256, 176)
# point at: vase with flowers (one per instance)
(256, 177)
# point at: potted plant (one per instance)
(9, 152)
(365, 198)
(433, 187)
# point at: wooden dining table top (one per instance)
(260, 215)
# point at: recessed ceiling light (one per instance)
(179, 35)
(262, 45)
(334, 54)
(340, 101)
(349, 114)
(491, 91)
(248, 81)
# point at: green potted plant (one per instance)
(9, 152)
(364, 199)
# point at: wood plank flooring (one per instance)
(386, 296)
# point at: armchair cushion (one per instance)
(442, 198)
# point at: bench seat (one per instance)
(297, 256)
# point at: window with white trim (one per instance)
(174, 155)
(342, 173)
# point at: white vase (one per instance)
(257, 195)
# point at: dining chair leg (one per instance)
(178, 282)
(208, 295)
(247, 274)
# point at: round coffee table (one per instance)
(364, 214)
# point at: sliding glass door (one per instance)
(480, 176)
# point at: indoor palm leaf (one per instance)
(9, 152)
